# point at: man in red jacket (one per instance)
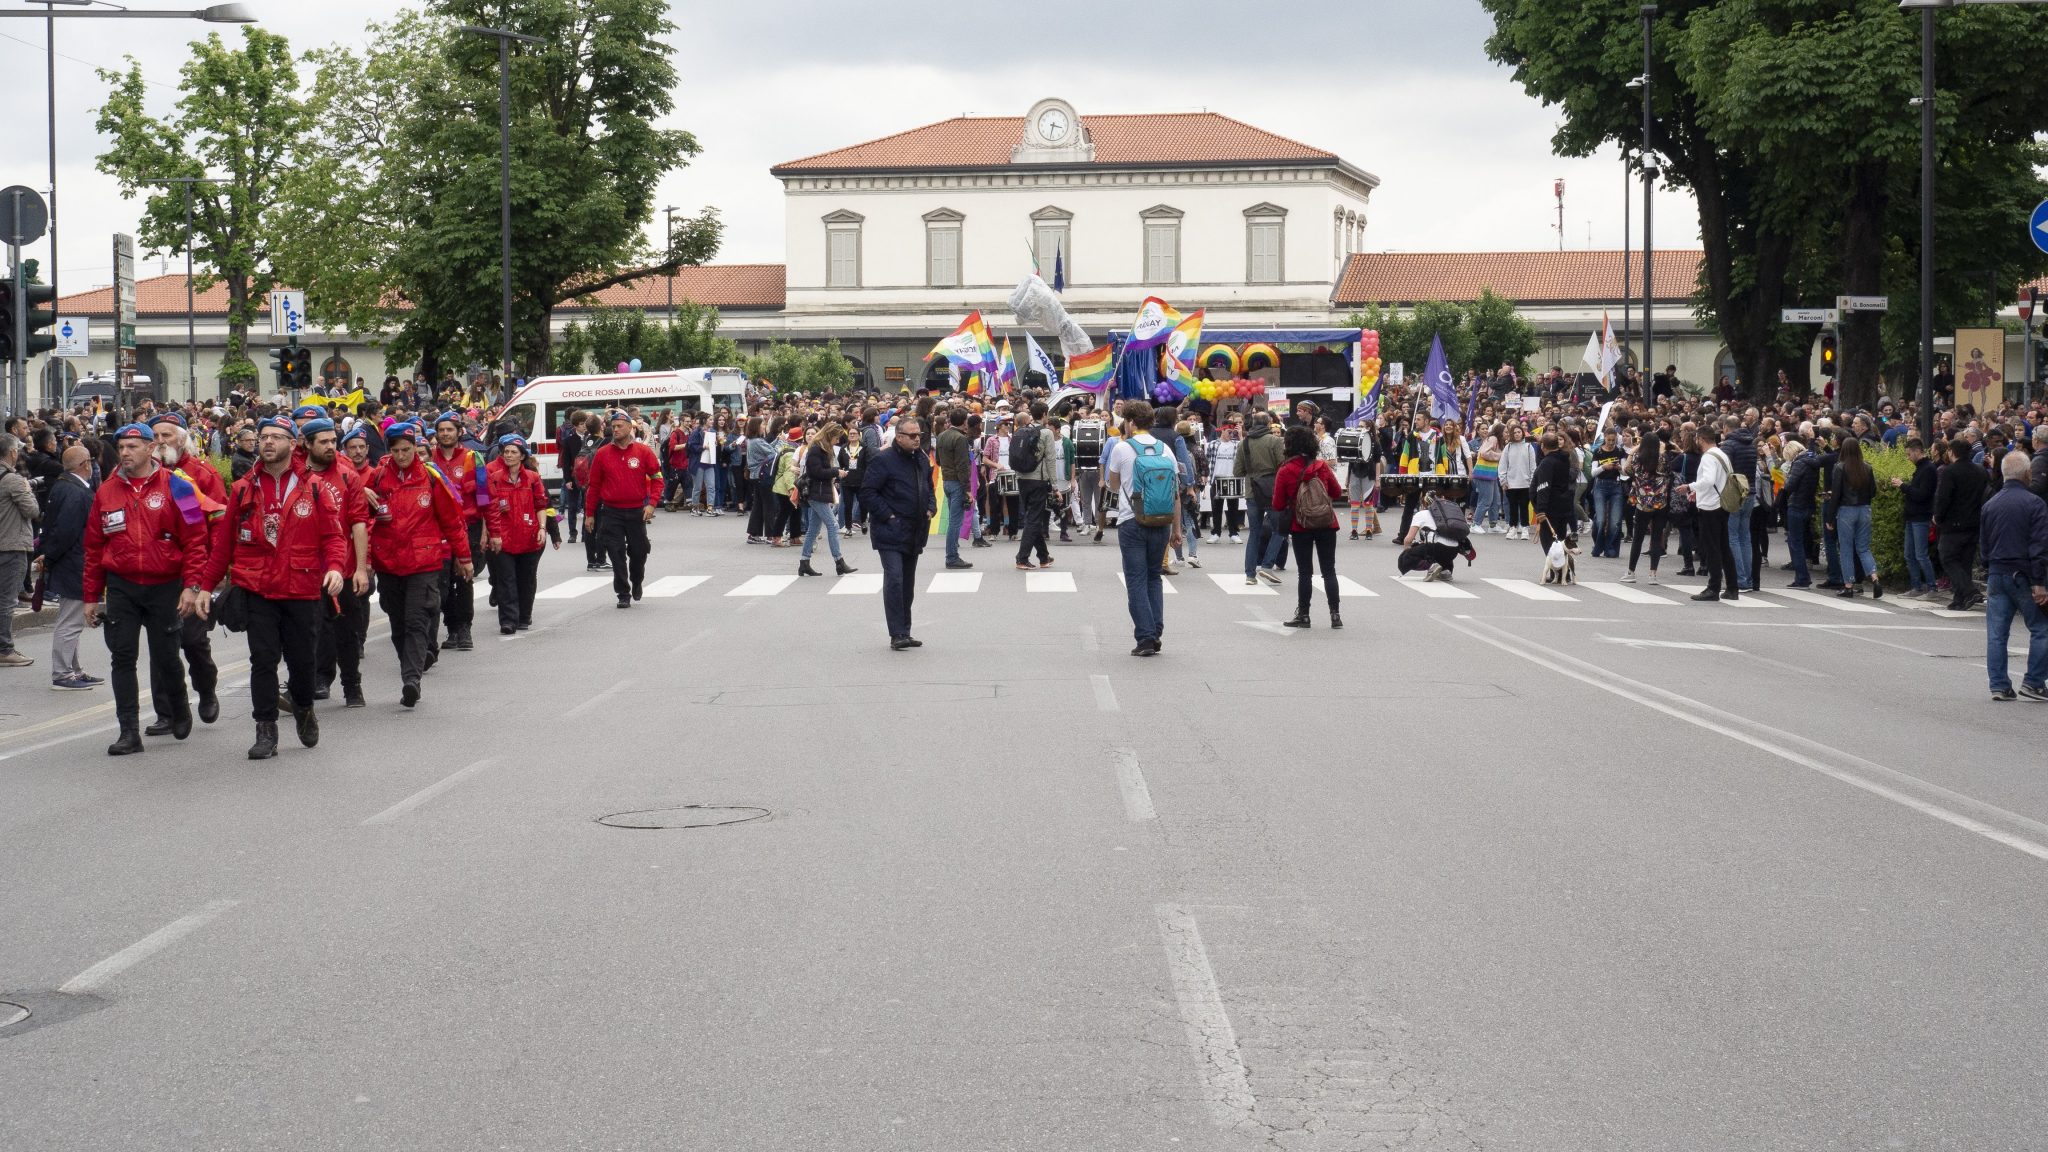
(282, 542)
(625, 485)
(174, 451)
(464, 468)
(343, 631)
(417, 528)
(145, 552)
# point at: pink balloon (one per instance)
(625, 367)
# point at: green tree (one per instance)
(1500, 334)
(238, 119)
(802, 368)
(609, 337)
(1405, 339)
(414, 123)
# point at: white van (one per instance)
(538, 410)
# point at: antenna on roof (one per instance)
(1558, 189)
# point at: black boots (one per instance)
(308, 726)
(803, 568)
(266, 741)
(1336, 621)
(352, 696)
(842, 567)
(459, 640)
(1300, 620)
(410, 694)
(128, 743)
(209, 707)
(179, 726)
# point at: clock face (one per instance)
(1052, 124)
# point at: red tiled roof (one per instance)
(1524, 277)
(732, 287)
(985, 142)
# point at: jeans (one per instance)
(2010, 597)
(1489, 506)
(899, 588)
(1852, 527)
(1255, 534)
(704, 488)
(678, 481)
(956, 507)
(1830, 539)
(571, 502)
(1798, 529)
(1919, 568)
(1740, 547)
(1607, 518)
(1144, 550)
(822, 517)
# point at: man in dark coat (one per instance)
(897, 491)
(63, 557)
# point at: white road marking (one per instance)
(1434, 589)
(1346, 586)
(1048, 581)
(571, 589)
(1623, 593)
(1269, 626)
(672, 586)
(1166, 587)
(97, 975)
(594, 701)
(1745, 600)
(1225, 1085)
(955, 582)
(1787, 746)
(1137, 797)
(428, 793)
(1530, 590)
(1234, 585)
(52, 743)
(1829, 600)
(858, 584)
(1105, 696)
(1686, 645)
(762, 586)
(1091, 640)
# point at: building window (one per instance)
(842, 249)
(1162, 244)
(1052, 238)
(1264, 236)
(942, 248)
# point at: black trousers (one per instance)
(413, 604)
(458, 596)
(1716, 561)
(281, 628)
(135, 610)
(195, 642)
(1311, 549)
(899, 588)
(781, 515)
(624, 537)
(1413, 558)
(764, 502)
(1033, 494)
(341, 638)
(1958, 562)
(514, 580)
(1649, 530)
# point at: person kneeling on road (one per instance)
(1436, 538)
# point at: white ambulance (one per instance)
(539, 410)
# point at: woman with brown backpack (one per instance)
(1308, 491)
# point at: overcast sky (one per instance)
(1400, 88)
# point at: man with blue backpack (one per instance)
(1146, 477)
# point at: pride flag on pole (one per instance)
(968, 346)
(1092, 370)
(1006, 374)
(1185, 341)
(1156, 321)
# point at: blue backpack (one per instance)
(1155, 485)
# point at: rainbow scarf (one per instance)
(454, 493)
(191, 504)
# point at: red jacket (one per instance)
(1290, 478)
(137, 532)
(418, 524)
(523, 501)
(679, 451)
(280, 536)
(628, 478)
(351, 495)
(204, 477)
(465, 467)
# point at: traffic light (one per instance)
(302, 369)
(42, 313)
(1827, 354)
(280, 365)
(7, 320)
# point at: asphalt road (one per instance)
(1477, 872)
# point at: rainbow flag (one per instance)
(1092, 370)
(968, 346)
(434, 470)
(1185, 341)
(1006, 372)
(1156, 320)
(1180, 377)
(186, 495)
(207, 507)
(973, 386)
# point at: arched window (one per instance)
(335, 373)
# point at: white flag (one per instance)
(1610, 352)
(1036, 357)
(1592, 356)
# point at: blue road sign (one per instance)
(2038, 226)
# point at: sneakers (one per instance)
(1233, 538)
(1193, 562)
(1269, 575)
(2002, 695)
(1212, 538)
(14, 660)
(1435, 573)
(2034, 691)
(956, 564)
(1251, 581)
(1171, 569)
(1026, 566)
(1653, 575)
(1146, 648)
(77, 683)
(1629, 577)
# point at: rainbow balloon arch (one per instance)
(1228, 357)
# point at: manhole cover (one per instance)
(11, 1014)
(686, 816)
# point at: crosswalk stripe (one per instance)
(1828, 601)
(1435, 589)
(763, 586)
(1624, 593)
(1233, 586)
(1348, 587)
(570, 589)
(955, 582)
(1049, 582)
(1530, 590)
(1166, 587)
(1750, 601)
(860, 584)
(672, 586)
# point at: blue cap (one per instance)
(448, 417)
(404, 430)
(135, 432)
(279, 422)
(616, 414)
(360, 432)
(312, 427)
(168, 418)
(515, 439)
(308, 411)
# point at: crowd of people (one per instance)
(417, 499)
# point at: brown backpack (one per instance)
(1312, 507)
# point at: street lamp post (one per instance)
(1649, 13)
(504, 38)
(667, 250)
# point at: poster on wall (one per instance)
(1980, 366)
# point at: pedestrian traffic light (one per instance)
(41, 315)
(1827, 354)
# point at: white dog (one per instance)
(1560, 565)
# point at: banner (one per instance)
(1980, 366)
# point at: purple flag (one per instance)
(1443, 391)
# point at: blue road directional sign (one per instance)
(2038, 226)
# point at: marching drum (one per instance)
(1230, 487)
(1350, 444)
(1006, 482)
(1088, 443)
